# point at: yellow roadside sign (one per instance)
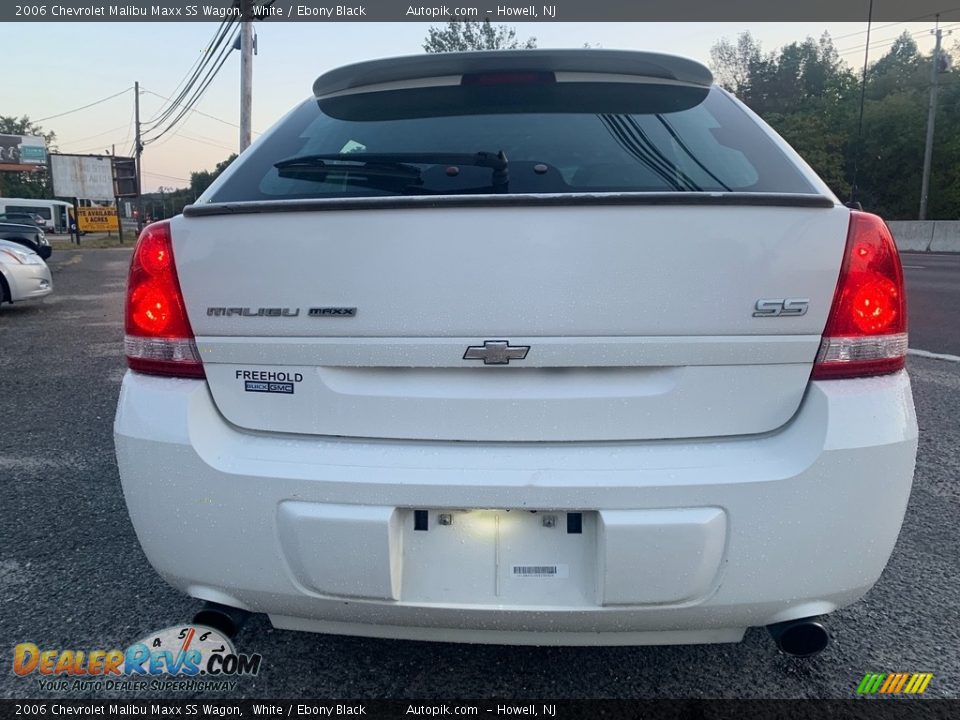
(97, 219)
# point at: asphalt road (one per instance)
(933, 301)
(72, 574)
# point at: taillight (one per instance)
(159, 339)
(866, 333)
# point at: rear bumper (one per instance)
(680, 541)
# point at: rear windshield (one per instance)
(517, 139)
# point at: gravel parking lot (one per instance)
(72, 574)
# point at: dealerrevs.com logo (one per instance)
(189, 657)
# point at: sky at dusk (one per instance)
(62, 66)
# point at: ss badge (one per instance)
(779, 307)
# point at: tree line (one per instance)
(812, 98)
(804, 90)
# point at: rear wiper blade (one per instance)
(381, 163)
(394, 176)
(497, 161)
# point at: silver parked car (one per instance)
(23, 274)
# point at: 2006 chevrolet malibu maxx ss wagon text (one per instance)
(540, 347)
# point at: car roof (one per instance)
(432, 65)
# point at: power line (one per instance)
(98, 146)
(210, 48)
(883, 42)
(186, 104)
(89, 137)
(199, 65)
(168, 177)
(205, 141)
(199, 112)
(97, 102)
(900, 22)
(129, 130)
(216, 46)
(862, 32)
(202, 140)
(194, 99)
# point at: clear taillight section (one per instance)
(159, 339)
(866, 333)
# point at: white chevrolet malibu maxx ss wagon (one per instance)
(541, 347)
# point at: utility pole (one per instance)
(854, 189)
(138, 145)
(246, 71)
(931, 121)
(116, 200)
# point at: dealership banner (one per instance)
(22, 152)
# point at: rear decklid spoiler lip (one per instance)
(810, 200)
(433, 65)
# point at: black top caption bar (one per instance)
(495, 10)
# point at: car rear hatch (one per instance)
(540, 251)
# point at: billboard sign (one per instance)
(22, 152)
(97, 219)
(82, 176)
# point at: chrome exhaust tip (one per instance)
(222, 618)
(804, 637)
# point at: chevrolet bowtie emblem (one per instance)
(496, 352)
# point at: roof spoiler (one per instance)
(432, 65)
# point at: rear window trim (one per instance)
(811, 200)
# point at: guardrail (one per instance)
(926, 235)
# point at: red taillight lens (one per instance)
(866, 333)
(159, 339)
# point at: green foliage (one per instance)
(892, 158)
(898, 71)
(812, 99)
(168, 201)
(459, 36)
(200, 181)
(34, 184)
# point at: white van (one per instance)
(55, 213)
